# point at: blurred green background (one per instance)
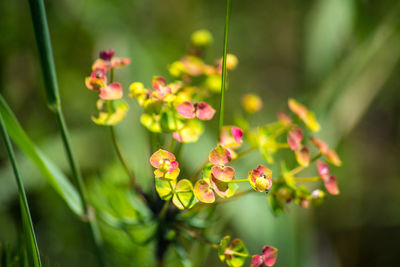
(340, 57)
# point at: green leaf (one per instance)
(182, 255)
(165, 187)
(50, 171)
(29, 233)
(184, 197)
(232, 253)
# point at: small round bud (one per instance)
(231, 61)
(251, 103)
(201, 38)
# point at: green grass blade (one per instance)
(50, 171)
(45, 52)
(29, 232)
(223, 82)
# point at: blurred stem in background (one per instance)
(223, 80)
(29, 232)
(42, 34)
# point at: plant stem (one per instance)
(307, 179)
(122, 159)
(164, 209)
(244, 152)
(238, 181)
(42, 34)
(223, 81)
(197, 236)
(300, 168)
(30, 234)
(91, 218)
(240, 194)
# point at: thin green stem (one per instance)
(33, 246)
(238, 195)
(244, 153)
(197, 236)
(300, 168)
(76, 174)
(239, 181)
(308, 179)
(164, 209)
(223, 81)
(121, 157)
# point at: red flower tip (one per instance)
(107, 55)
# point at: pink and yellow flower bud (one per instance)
(251, 103)
(165, 163)
(201, 38)
(303, 156)
(261, 178)
(294, 138)
(111, 92)
(220, 156)
(304, 114)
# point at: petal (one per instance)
(333, 158)
(189, 133)
(158, 82)
(237, 133)
(270, 254)
(257, 261)
(177, 136)
(303, 156)
(204, 111)
(172, 174)
(323, 170)
(98, 73)
(222, 189)
(223, 173)
(331, 185)
(106, 55)
(101, 64)
(119, 62)
(219, 156)
(297, 108)
(311, 122)
(111, 92)
(159, 156)
(294, 138)
(322, 146)
(284, 118)
(113, 115)
(203, 191)
(186, 110)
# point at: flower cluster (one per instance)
(234, 253)
(175, 112)
(112, 109)
(268, 139)
(180, 106)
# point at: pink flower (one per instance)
(111, 92)
(294, 138)
(165, 163)
(261, 178)
(96, 80)
(329, 180)
(106, 55)
(201, 110)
